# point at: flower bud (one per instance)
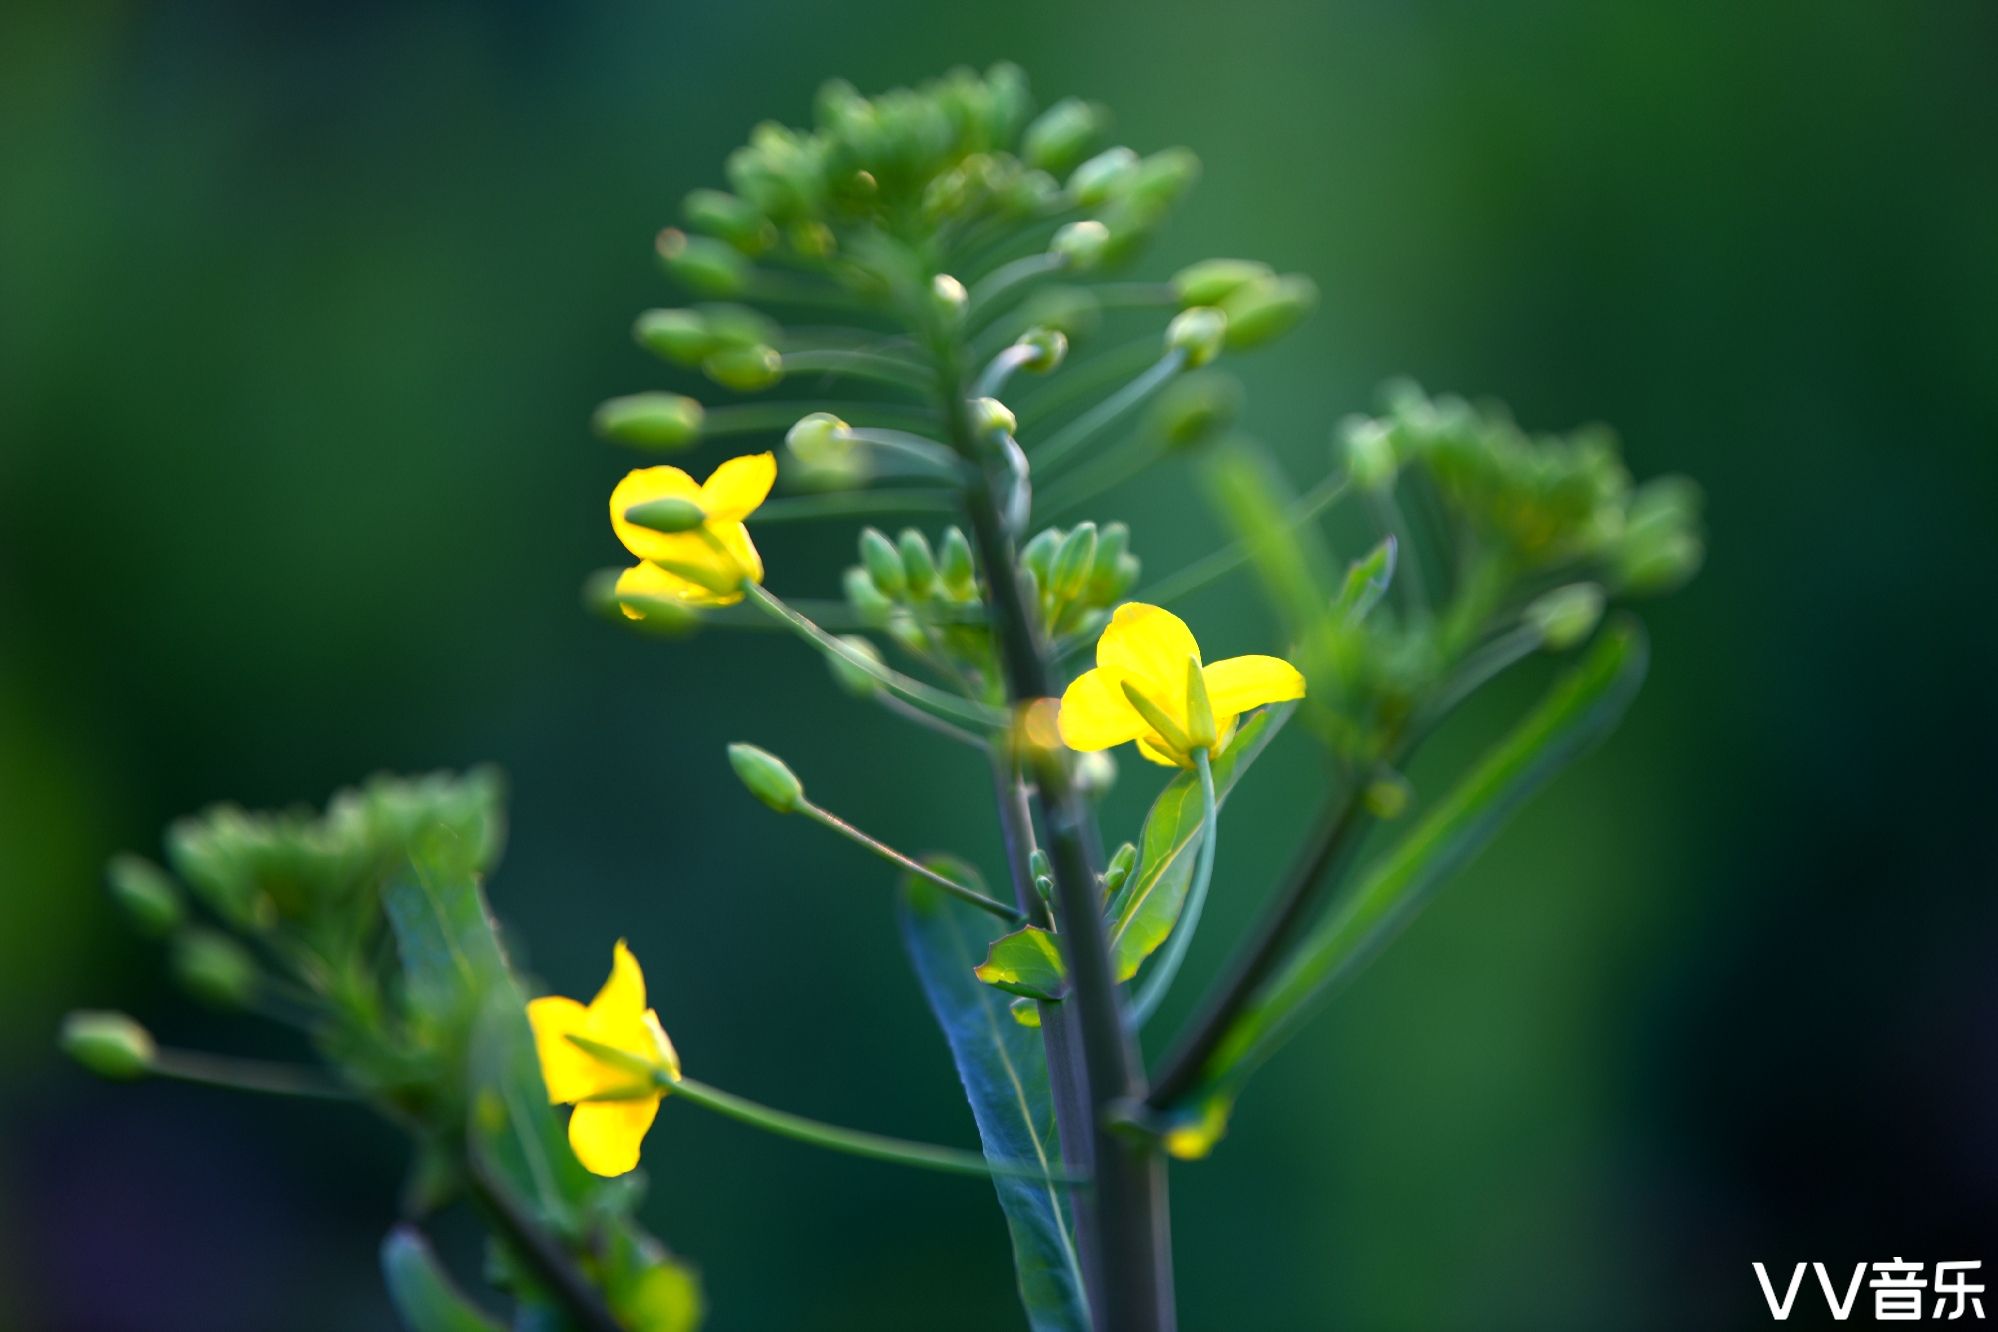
(1162, 178)
(812, 238)
(1370, 453)
(1194, 408)
(883, 562)
(145, 893)
(919, 564)
(1061, 134)
(734, 220)
(739, 326)
(1199, 333)
(908, 631)
(989, 416)
(1037, 556)
(1212, 281)
(866, 599)
(1264, 310)
(706, 265)
(819, 440)
(1122, 862)
(1102, 176)
(1387, 796)
(850, 675)
(664, 421)
(1038, 864)
(744, 369)
(949, 297)
(767, 777)
(1073, 560)
(1201, 731)
(667, 515)
(111, 1045)
(1113, 545)
(214, 968)
(679, 336)
(955, 566)
(1566, 615)
(1049, 347)
(1080, 245)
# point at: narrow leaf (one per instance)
(1025, 962)
(1367, 580)
(1005, 1077)
(425, 1297)
(1581, 708)
(1144, 913)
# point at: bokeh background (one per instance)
(302, 312)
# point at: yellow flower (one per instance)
(1149, 686)
(705, 565)
(615, 1099)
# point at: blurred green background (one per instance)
(302, 312)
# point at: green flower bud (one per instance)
(1080, 245)
(111, 1045)
(1212, 281)
(989, 416)
(919, 564)
(664, 421)
(767, 777)
(734, 220)
(145, 893)
(1038, 864)
(812, 238)
(1073, 561)
(850, 676)
(1037, 556)
(1370, 453)
(1113, 545)
(1102, 176)
(1659, 562)
(1061, 134)
(1264, 310)
(819, 440)
(908, 631)
(1049, 347)
(866, 599)
(1162, 178)
(739, 326)
(709, 266)
(1195, 408)
(955, 566)
(1122, 862)
(883, 562)
(680, 336)
(949, 297)
(1199, 333)
(667, 515)
(1387, 796)
(214, 968)
(744, 369)
(1125, 577)
(1566, 615)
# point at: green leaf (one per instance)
(1144, 912)
(1367, 580)
(1025, 962)
(1005, 1078)
(422, 1291)
(1581, 708)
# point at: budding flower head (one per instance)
(747, 369)
(215, 968)
(709, 266)
(990, 416)
(145, 893)
(768, 778)
(1048, 345)
(666, 422)
(1566, 615)
(1080, 245)
(1212, 281)
(1370, 453)
(1265, 309)
(1061, 134)
(949, 296)
(820, 440)
(111, 1045)
(1102, 176)
(1199, 333)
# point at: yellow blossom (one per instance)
(615, 1098)
(705, 565)
(1149, 686)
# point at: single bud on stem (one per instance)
(111, 1045)
(919, 564)
(1048, 345)
(1565, 616)
(663, 421)
(1213, 281)
(709, 266)
(819, 439)
(1102, 176)
(1073, 561)
(947, 294)
(1199, 332)
(1370, 455)
(145, 893)
(1266, 309)
(767, 777)
(681, 337)
(850, 675)
(1080, 245)
(215, 968)
(955, 565)
(883, 563)
(667, 515)
(748, 369)
(989, 416)
(1061, 134)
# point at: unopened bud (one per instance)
(949, 297)
(1212, 281)
(214, 968)
(145, 893)
(1113, 543)
(851, 676)
(1073, 560)
(745, 369)
(1199, 333)
(919, 563)
(734, 220)
(866, 599)
(989, 416)
(819, 440)
(1102, 176)
(767, 777)
(1037, 556)
(883, 562)
(1370, 454)
(665, 421)
(680, 336)
(1194, 408)
(955, 566)
(111, 1045)
(1048, 345)
(667, 515)
(1387, 796)
(1162, 178)
(1061, 134)
(709, 266)
(1264, 310)
(1080, 245)
(1565, 616)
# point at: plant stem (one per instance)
(1079, 431)
(888, 853)
(1167, 967)
(556, 1267)
(247, 1075)
(847, 503)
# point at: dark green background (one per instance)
(303, 309)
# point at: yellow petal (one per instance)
(734, 538)
(647, 581)
(1150, 647)
(1241, 683)
(662, 1045)
(1096, 715)
(736, 487)
(605, 1135)
(624, 990)
(641, 487)
(1154, 748)
(570, 1074)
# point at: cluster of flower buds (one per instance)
(1239, 304)
(927, 598)
(1079, 574)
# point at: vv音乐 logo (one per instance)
(1900, 1291)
